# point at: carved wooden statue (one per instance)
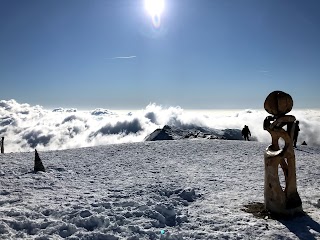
(277, 200)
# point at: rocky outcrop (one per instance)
(160, 134)
(192, 132)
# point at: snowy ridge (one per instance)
(192, 132)
(150, 190)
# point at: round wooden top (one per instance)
(278, 103)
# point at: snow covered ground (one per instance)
(187, 189)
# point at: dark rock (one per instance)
(160, 134)
(232, 134)
(38, 166)
(2, 145)
(188, 195)
(169, 214)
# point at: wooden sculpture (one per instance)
(277, 200)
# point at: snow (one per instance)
(151, 190)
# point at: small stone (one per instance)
(85, 213)
(188, 195)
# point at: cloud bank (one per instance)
(26, 127)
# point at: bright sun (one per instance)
(154, 7)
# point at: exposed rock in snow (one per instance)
(100, 111)
(69, 110)
(38, 166)
(160, 134)
(190, 132)
(188, 194)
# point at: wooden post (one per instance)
(2, 145)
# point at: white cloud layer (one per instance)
(27, 127)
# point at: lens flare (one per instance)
(155, 9)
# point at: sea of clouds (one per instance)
(27, 127)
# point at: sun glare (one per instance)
(154, 7)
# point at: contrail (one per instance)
(124, 57)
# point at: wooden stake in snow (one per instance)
(38, 166)
(280, 200)
(2, 145)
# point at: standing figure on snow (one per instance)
(296, 133)
(246, 132)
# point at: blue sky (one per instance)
(206, 54)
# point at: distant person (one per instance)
(246, 132)
(296, 133)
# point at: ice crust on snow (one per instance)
(150, 190)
